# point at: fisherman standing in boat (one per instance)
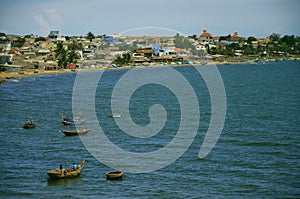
(61, 168)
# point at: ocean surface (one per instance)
(256, 156)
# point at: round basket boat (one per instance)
(114, 175)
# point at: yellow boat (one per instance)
(66, 173)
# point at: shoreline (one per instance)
(40, 72)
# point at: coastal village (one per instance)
(30, 54)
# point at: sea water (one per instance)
(256, 156)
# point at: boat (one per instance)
(29, 124)
(67, 121)
(76, 132)
(114, 175)
(66, 173)
(115, 115)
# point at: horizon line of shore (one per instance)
(40, 72)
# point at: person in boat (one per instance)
(75, 167)
(61, 168)
(28, 122)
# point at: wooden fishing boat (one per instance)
(29, 124)
(66, 173)
(114, 175)
(76, 132)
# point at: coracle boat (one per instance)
(67, 121)
(28, 124)
(76, 132)
(66, 173)
(114, 175)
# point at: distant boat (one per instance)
(115, 115)
(29, 124)
(76, 132)
(66, 173)
(114, 175)
(67, 121)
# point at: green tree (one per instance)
(248, 50)
(61, 55)
(275, 37)
(250, 39)
(225, 38)
(72, 56)
(75, 46)
(195, 37)
(62, 60)
(182, 42)
(233, 46)
(125, 59)
(19, 42)
(40, 39)
(90, 36)
(289, 40)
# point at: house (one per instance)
(14, 51)
(180, 51)
(167, 51)
(110, 39)
(11, 68)
(206, 37)
(71, 66)
(145, 52)
(254, 44)
(43, 51)
(221, 45)
(43, 44)
(200, 47)
(236, 38)
(4, 58)
(60, 39)
(53, 34)
(216, 38)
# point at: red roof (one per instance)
(205, 34)
(14, 51)
(71, 65)
(144, 51)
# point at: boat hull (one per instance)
(114, 175)
(75, 132)
(63, 174)
(29, 126)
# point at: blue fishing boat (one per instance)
(72, 121)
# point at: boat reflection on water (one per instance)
(67, 181)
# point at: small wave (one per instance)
(264, 143)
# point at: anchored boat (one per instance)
(114, 175)
(29, 124)
(76, 132)
(69, 121)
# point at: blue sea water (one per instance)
(256, 156)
